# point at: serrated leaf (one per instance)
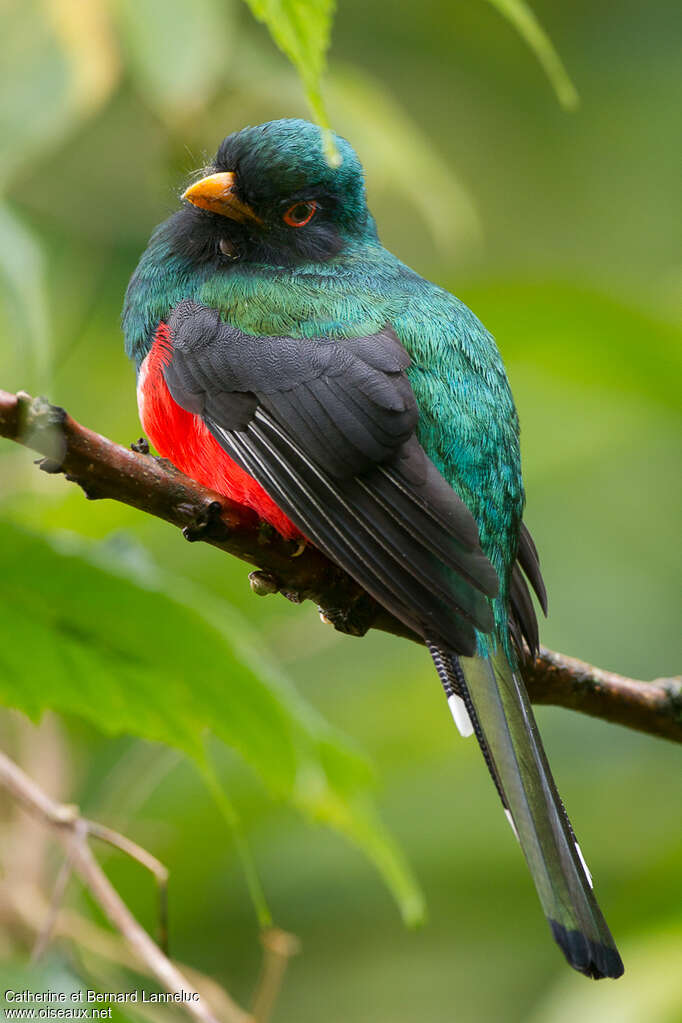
(302, 30)
(177, 51)
(529, 28)
(131, 658)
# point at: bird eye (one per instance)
(300, 214)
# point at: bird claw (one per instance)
(263, 583)
(141, 446)
(349, 620)
(266, 533)
(48, 465)
(202, 524)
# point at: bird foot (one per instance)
(266, 533)
(49, 465)
(203, 522)
(262, 583)
(141, 445)
(352, 621)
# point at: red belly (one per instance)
(184, 440)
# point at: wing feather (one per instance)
(327, 428)
(529, 560)
(523, 610)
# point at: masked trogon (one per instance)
(287, 360)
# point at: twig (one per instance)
(107, 470)
(26, 903)
(72, 831)
(130, 848)
(136, 852)
(39, 748)
(58, 892)
(279, 947)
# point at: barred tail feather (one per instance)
(503, 721)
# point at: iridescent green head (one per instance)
(272, 195)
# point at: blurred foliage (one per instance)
(562, 233)
(201, 674)
(302, 30)
(176, 52)
(525, 21)
(22, 273)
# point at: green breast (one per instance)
(468, 424)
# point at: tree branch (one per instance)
(72, 830)
(107, 470)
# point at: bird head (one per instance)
(272, 196)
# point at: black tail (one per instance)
(501, 717)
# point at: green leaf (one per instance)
(302, 30)
(137, 656)
(524, 20)
(382, 132)
(177, 51)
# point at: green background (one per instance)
(562, 231)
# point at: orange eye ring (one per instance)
(300, 214)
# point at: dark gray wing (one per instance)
(523, 622)
(327, 428)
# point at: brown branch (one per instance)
(107, 470)
(652, 707)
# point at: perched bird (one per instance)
(287, 360)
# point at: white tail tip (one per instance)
(585, 866)
(509, 817)
(460, 715)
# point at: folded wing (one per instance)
(327, 427)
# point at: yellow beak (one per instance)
(217, 194)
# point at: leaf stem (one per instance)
(233, 821)
(529, 28)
